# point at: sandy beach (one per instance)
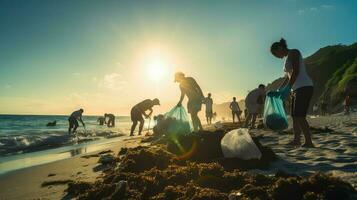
(334, 137)
(26, 183)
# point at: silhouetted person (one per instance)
(236, 111)
(139, 110)
(323, 107)
(52, 123)
(101, 120)
(209, 111)
(299, 82)
(347, 104)
(111, 119)
(254, 105)
(192, 90)
(73, 121)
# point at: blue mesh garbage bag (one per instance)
(178, 122)
(274, 114)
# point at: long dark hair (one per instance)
(281, 44)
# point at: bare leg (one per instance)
(196, 122)
(247, 120)
(75, 128)
(133, 128)
(253, 120)
(141, 126)
(304, 125)
(233, 115)
(297, 132)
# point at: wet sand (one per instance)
(26, 183)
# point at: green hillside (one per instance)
(331, 68)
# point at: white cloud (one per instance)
(324, 7)
(113, 81)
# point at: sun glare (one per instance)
(156, 69)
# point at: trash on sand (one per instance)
(239, 144)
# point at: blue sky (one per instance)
(56, 56)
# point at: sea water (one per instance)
(27, 138)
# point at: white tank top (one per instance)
(303, 79)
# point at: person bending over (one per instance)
(139, 110)
(111, 119)
(73, 121)
(192, 90)
(254, 103)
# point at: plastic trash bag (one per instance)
(178, 122)
(274, 113)
(238, 144)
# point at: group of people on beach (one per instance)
(297, 84)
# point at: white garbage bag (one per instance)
(238, 144)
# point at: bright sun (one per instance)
(156, 69)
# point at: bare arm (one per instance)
(80, 119)
(286, 80)
(295, 61)
(181, 97)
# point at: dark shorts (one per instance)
(236, 113)
(194, 105)
(300, 101)
(72, 122)
(136, 115)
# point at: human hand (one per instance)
(273, 94)
(285, 91)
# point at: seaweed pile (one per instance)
(154, 173)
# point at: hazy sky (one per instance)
(105, 56)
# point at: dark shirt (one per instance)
(144, 105)
(190, 87)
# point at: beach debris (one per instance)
(106, 159)
(56, 182)
(120, 190)
(239, 144)
(154, 173)
(123, 151)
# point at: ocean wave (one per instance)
(24, 143)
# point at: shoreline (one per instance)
(26, 183)
(335, 154)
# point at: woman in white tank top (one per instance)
(301, 85)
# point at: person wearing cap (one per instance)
(73, 121)
(192, 90)
(111, 119)
(139, 110)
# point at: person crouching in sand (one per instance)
(73, 121)
(139, 110)
(192, 90)
(111, 119)
(254, 103)
(299, 81)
